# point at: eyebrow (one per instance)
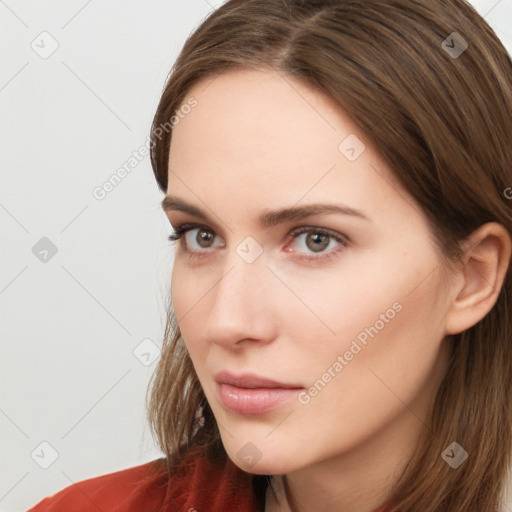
(270, 217)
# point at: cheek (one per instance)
(185, 296)
(344, 306)
(392, 294)
(385, 349)
(180, 292)
(188, 287)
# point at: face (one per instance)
(342, 305)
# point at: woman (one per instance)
(338, 176)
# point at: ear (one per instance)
(479, 277)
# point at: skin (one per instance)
(258, 140)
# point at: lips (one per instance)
(251, 380)
(252, 394)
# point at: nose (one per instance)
(243, 305)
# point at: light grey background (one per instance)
(71, 321)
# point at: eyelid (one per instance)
(342, 239)
(179, 231)
(326, 231)
(320, 257)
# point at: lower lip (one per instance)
(254, 400)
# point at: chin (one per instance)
(252, 460)
(262, 468)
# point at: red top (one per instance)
(199, 486)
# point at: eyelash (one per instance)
(343, 240)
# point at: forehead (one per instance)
(270, 140)
(247, 114)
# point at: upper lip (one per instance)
(250, 380)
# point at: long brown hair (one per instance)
(440, 114)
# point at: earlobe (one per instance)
(482, 272)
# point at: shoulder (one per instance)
(216, 485)
(142, 485)
(199, 483)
